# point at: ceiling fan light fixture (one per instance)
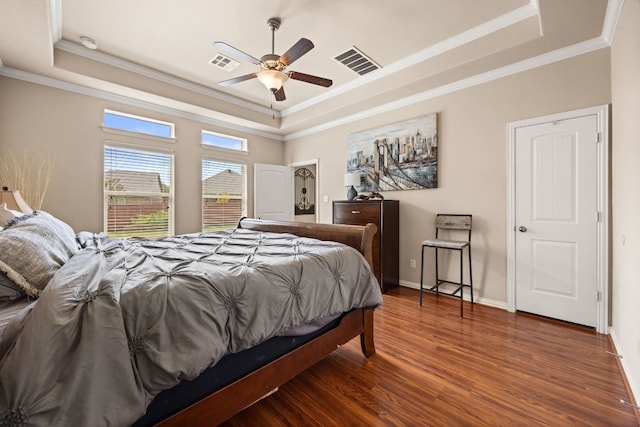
(274, 74)
(272, 79)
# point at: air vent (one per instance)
(357, 61)
(224, 62)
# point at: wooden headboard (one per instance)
(359, 237)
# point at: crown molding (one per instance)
(55, 14)
(439, 48)
(614, 9)
(498, 73)
(451, 43)
(123, 64)
(151, 106)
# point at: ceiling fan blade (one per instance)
(228, 49)
(308, 78)
(238, 79)
(301, 47)
(279, 94)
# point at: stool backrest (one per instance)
(453, 222)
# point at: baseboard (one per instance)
(632, 387)
(476, 299)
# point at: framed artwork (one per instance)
(399, 156)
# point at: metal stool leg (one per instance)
(421, 274)
(437, 275)
(470, 276)
(461, 283)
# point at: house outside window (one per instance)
(224, 186)
(138, 192)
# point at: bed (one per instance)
(138, 363)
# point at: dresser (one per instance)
(385, 215)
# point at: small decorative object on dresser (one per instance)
(351, 180)
(385, 215)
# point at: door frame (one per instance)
(316, 163)
(602, 230)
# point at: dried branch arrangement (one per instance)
(29, 174)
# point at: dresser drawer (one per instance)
(385, 246)
(356, 213)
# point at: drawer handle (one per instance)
(355, 212)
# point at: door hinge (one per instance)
(597, 216)
(598, 137)
(598, 296)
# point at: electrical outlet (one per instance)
(412, 263)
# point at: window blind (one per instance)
(138, 188)
(223, 193)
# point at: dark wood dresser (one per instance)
(386, 243)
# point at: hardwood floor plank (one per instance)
(432, 368)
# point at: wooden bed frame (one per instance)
(228, 401)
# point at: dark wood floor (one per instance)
(431, 367)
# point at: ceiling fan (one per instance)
(274, 73)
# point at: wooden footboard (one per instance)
(226, 402)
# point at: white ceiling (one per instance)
(158, 52)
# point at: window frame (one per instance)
(135, 134)
(224, 150)
(170, 195)
(243, 198)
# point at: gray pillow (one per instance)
(34, 247)
(8, 289)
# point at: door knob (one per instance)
(522, 228)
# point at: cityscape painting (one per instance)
(399, 156)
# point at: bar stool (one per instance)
(449, 222)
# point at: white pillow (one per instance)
(7, 215)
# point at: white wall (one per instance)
(625, 88)
(472, 150)
(39, 118)
(472, 158)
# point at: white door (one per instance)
(273, 192)
(556, 207)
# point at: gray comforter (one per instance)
(123, 320)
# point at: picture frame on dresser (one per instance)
(386, 243)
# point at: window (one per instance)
(223, 141)
(224, 186)
(131, 123)
(138, 191)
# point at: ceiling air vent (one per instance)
(224, 62)
(357, 61)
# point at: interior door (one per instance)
(556, 219)
(273, 192)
